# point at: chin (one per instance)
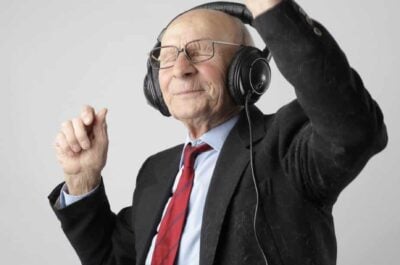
(187, 113)
(184, 115)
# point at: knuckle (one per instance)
(63, 148)
(77, 123)
(65, 124)
(87, 114)
(81, 138)
(70, 137)
(87, 109)
(79, 129)
(63, 145)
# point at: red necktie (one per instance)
(170, 232)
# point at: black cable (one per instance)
(254, 175)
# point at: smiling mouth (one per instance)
(189, 92)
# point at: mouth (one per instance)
(188, 92)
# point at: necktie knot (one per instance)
(191, 152)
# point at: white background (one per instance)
(56, 56)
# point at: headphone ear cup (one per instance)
(152, 91)
(249, 72)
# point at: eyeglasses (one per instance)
(196, 51)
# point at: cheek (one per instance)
(163, 81)
(215, 79)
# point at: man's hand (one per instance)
(81, 149)
(258, 7)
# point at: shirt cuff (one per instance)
(67, 199)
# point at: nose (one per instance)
(183, 67)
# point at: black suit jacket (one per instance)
(305, 154)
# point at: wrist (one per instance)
(259, 7)
(82, 184)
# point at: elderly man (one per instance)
(196, 203)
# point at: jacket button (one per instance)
(309, 21)
(302, 11)
(317, 31)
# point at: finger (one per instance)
(100, 127)
(101, 115)
(81, 133)
(61, 144)
(101, 118)
(87, 115)
(105, 129)
(69, 133)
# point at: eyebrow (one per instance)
(199, 38)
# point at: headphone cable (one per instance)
(253, 175)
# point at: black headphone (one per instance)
(249, 71)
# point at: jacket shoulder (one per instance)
(166, 159)
(166, 154)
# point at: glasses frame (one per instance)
(184, 50)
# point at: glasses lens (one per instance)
(200, 50)
(163, 57)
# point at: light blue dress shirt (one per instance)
(189, 250)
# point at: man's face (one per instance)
(197, 92)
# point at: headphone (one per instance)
(249, 73)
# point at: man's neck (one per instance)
(198, 127)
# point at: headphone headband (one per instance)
(234, 9)
(237, 10)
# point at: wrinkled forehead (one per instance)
(200, 24)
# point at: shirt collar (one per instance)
(214, 137)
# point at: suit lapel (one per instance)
(153, 200)
(232, 162)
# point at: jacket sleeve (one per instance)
(97, 234)
(344, 125)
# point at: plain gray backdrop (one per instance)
(56, 56)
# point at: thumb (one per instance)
(101, 115)
(100, 125)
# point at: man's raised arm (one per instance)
(344, 125)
